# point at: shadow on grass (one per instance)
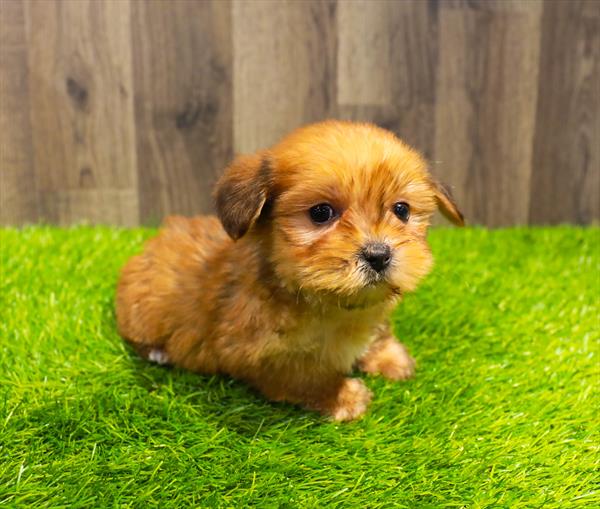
(222, 400)
(134, 399)
(135, 403)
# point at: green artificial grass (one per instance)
(503, 411)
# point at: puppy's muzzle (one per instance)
(378, 255)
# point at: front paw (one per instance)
(352, 400)
(389, 358)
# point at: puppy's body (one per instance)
(210, 305)
(290, 305)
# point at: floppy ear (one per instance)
(446, 204)
(241, 193)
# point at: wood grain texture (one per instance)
(415, 67)
(284, 67)
(81, 107)
(566, 165)
(387, 67)
(18, 186)
(183, 103)
(365, 60)
(485, 114)
(124, 111)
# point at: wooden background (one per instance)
(122, 111)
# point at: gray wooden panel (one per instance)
(387, 67)
(415, 66)
(365, 59)
(565, 183)
(81, 108)
(284, 68)
(18, 189)
(123, 111)
(485, 111)
(182, 69)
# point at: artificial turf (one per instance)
(503, 411)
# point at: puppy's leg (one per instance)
(348, 400)
(387, 357)
(336, 396)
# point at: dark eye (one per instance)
(322, 213)
(402, 210)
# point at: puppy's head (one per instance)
(342, 208)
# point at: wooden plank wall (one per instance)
(123, 111)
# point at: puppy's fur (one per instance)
(267, 295)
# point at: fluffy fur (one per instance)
(266, 295)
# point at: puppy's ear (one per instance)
(446, 204)
(241, 193)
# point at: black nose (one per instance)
(377, 255)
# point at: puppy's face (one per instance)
(345, 208)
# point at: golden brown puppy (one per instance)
(318, 238)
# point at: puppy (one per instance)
(316, 240)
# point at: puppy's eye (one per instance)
(322, 213)
(402, 210)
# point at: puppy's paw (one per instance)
(158, 356)
(388, 358)
(352, 400)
